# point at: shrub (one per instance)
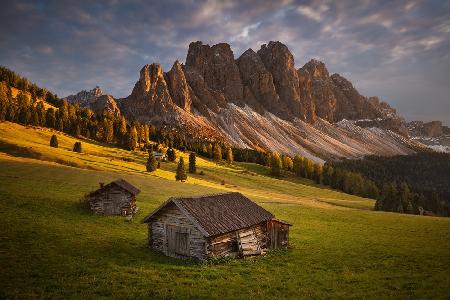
(181, 171)
(54, 141)
(77, 147)
(151, 162)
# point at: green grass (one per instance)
(50, 248)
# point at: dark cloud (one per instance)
(398, 50)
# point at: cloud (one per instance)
(315, 13)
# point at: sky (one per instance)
(397, 50)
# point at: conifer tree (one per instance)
(133, 138)
(275, 164)
(181, 171)
(204, 150)
(317, 173)
(217, 152)
(229, 155)
(287, 163)
(50, 118)
(192, 163)
(171, 155)
(77, 147)
(210, 150)
(151, 162)
(54, 141)
(297, 165)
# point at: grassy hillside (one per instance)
(51, 248)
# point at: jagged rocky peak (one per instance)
(279, 61)
(259, 90)
(150, 97)
(316, 69)
(97, 101)
(84, 97)
(179, 89)
(218, 69)
(105, 104)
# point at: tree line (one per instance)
(408, 183)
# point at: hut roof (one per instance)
(218, 214)
(123, 184)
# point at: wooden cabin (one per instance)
(159, 156)
(215, 225)
(115, 198)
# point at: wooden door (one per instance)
(177, 240)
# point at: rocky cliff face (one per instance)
(216, 95)
(84, 98)
(105, 104)
(95, 100)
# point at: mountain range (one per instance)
(261, 101)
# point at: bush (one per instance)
(54, 141)
(192, 163)
(181, 171)
(151, 162)
(77, 147)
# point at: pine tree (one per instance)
(77, 147)
(210, 150)
(287, 163)
(275, 164)
(50, 118)
(229, 155)
(133, 138)
(404, 195)
(317, 173)
(297, 165)
(309, 168)
(192, 163)
(171, 155)
(181, 171)
(54, 141)
(217, 152)
(151, 162)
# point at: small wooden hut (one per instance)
(215, 225)
(115, 198)
(159, 156)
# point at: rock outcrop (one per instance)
(428, 129)
(259, 89)
(105, 104)
(150, 100)
(179, 89)
(96, 101)
(84, 98)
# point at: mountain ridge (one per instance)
(215, 95)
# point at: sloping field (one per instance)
(340, 248)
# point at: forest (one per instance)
(419, 182)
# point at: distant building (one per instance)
(115, 198)
(160, 156)
(216, 225)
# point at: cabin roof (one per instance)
(218, 214)
(123, 184)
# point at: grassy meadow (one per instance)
(340, 248)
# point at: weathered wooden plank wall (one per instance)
(172, 216)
